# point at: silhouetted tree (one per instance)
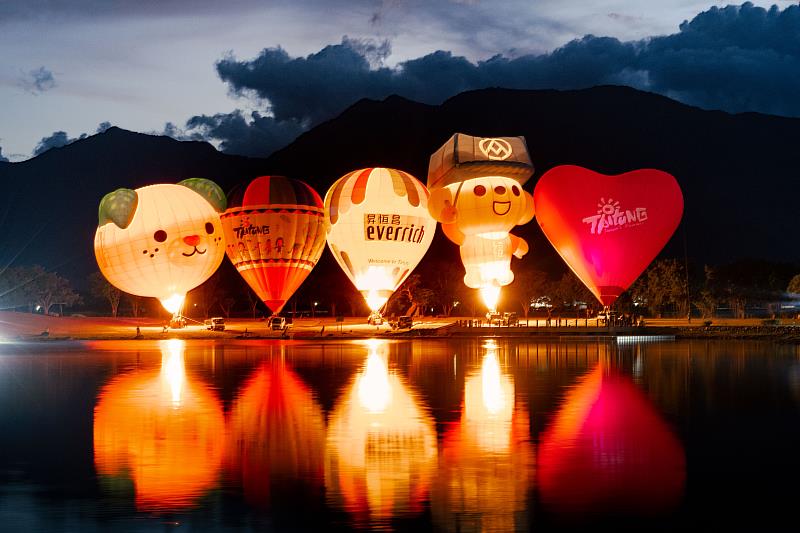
(529, 285)
(794, 285)
(100, 288)
(663, 284)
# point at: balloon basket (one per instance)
(177, 321)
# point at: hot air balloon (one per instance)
(378, 229)
(476, 193)
(161, 240)
(608, 451)
(161, 430)
(607, 228)
(275, 234)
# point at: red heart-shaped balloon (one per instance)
(607, 228)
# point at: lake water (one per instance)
(422, 435)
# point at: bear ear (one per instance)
(528, 212)
(118, 207)
(440, 206)
(208, 190)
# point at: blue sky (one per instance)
(228, 67)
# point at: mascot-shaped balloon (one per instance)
(476, 193)
(161, 240)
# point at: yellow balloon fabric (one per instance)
(172, 243)
(378, 229)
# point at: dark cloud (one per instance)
(736, 58)
(57, 139)
(38, 80)
(2, 159)
(236, 134)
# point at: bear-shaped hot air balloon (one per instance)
(275, 234)
(378, 229)
(161, 240)
(476, 193)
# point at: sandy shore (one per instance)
(25, 326)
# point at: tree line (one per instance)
(669, 287)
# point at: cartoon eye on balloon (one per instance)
(607, 228)
(476, 193)
(378, 229)
(161, 240)
(275, 232)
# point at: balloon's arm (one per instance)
(452, 232)
(518, 246)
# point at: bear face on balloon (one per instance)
(477, 214)
(488, 206)
(161, 240)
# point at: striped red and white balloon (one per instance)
(275, 235)
(378, 229)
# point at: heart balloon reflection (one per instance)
(607, 228)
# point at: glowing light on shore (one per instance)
(490, 295)
(173, 303)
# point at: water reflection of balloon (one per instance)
(161, 240)
(378, 229)
(276, 437)
(607, 228)
(486, 466)
(275, 234)
(163, 430)
(608, 451)
(381, 445)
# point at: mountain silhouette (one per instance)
(49, 214)
(738, 172)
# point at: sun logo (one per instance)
(607, 207)
(610, 217)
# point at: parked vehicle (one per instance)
(403, 322)
(510, 319)
(375, 319)
(277, 323)
(494, 319)
(216, 323)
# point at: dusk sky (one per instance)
(250, 75)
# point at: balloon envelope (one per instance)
(378, 229)
(274, 231)
(172, 242)
(607, 228)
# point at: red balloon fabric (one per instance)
(607, 228)
(608, 451)
(275, 234)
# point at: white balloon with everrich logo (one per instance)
(378, 229)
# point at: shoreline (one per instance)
(25, 327)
